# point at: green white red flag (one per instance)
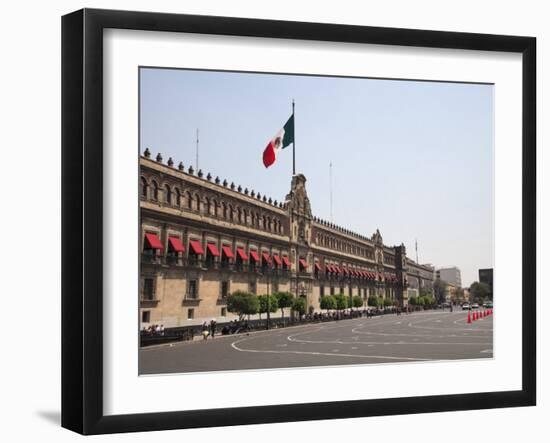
(282, 139)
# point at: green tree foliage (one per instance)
(413, 300)
(342, 301)
(242, 303)
(328, 302)
(479, 291)
(440, 290)
(284, 300)
(299, 305)
(372, 301)
(357, 301)
(266, 301)
(388, 302)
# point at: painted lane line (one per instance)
(382, 357)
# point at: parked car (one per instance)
(488, 304)
(465, 306)
(475, 306)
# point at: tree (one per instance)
(284, 300)
(413, 300)
(299, 305)
(328, 302)
(440, 290)
(242, 303)
(341, 301)
(387, 302)
(372, 301)
(357, 301)
(265, 301)
(479, 291)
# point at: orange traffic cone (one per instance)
(475, 315)
(469, 318)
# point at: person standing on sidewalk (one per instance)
(213, 327)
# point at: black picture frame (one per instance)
(82, 188)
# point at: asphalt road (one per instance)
(386, 339)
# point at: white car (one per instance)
(466, 306)
(475, 306)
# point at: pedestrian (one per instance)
(213, 327)
(204, 331)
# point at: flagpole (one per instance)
(293, 142)
(197, 151)
(330, 188)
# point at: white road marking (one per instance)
(269, 351)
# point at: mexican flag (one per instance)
(283, 138)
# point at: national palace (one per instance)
(203, 238)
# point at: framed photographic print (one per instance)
(270, 221)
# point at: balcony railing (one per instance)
(213, 264)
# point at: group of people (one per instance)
(209, 329)
(153, 330)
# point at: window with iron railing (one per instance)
(148, 289)
(192, 289)
(224, 289)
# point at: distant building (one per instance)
(486, 276)
(420, 279)
(450, 275)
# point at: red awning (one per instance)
(196, 246)
(227, 251)
(277, 260)
(337, 269)
(153, 241)
(303, 263)
(254, 256)
(175, 244)
(213, 249)
(242, 254)
(266, 257)
(318, 267)
(286, 261)
(345, 271)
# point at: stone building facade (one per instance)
(420, 279)
(202, 239)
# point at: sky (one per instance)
(411, 158)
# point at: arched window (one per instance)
(224, 210)
(231, 213)
(252, 219)
(178, 197)
(144, 188)
(215, 207)
(189, 200)
(245, 216)
(208, 206)
(197, 203)
(167, 194)
(239, 215)
(155, 190)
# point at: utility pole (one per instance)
(416, 248)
